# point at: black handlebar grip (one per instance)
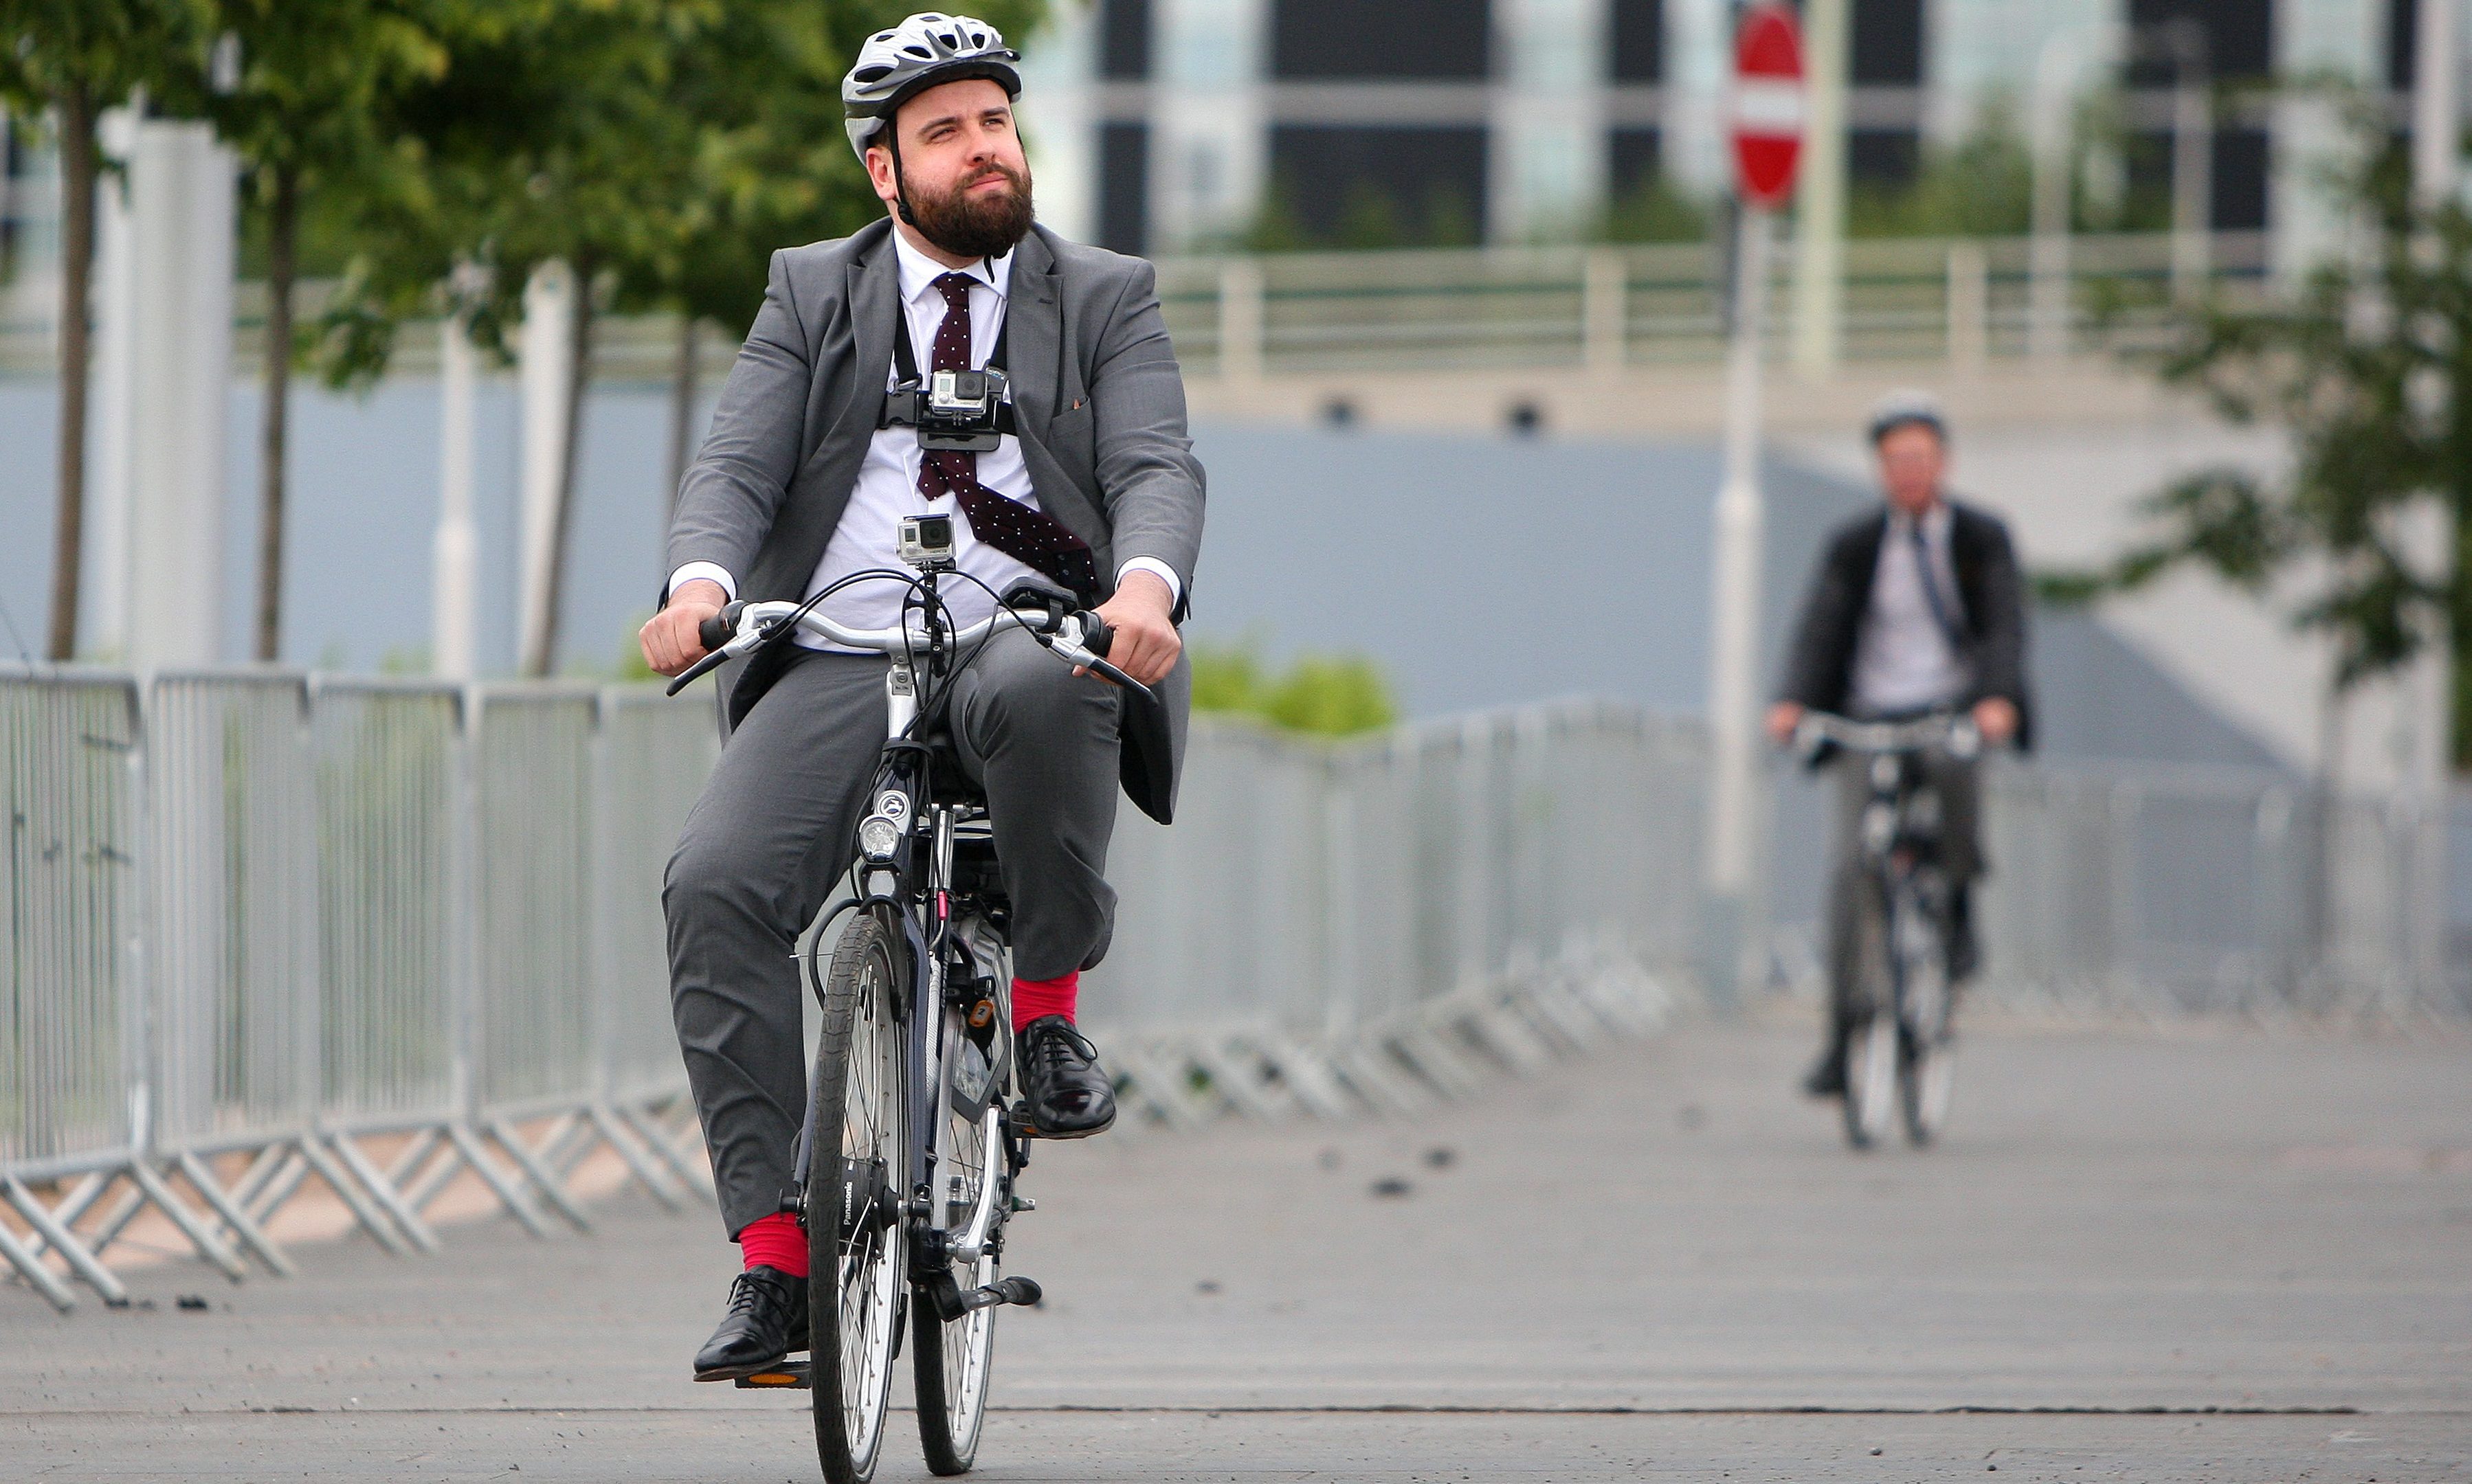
(717, 630)
(1096, 635)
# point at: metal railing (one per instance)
(1965, 300)
(266, 930)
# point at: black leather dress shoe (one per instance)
(1065, 1093)
(766, 1320)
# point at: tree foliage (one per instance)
(1319, 695)
(2367, 368)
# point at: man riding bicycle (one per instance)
(1915, 609)
(799, 490)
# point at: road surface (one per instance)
(2138, 1255)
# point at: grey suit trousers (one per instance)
(764, 845)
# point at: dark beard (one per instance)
(971, 226)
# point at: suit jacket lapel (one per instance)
(1034, 366)
(875, 306)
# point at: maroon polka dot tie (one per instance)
(1032, 538)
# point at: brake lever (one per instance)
(1099, 667)
(1073, 652)
(697, 671)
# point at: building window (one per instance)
(1124, 186)
(1638, 41)
(1888, 43)
(2240, 167)
(2240, 36)
(1633, 157)
(1125, 40)
(1882, 156)
(2403, 42)
(1420, 40)
(1371, 186)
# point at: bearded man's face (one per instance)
(961, 162)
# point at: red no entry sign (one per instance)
(1767, 103)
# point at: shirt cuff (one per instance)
(1150, 564)
(711, 571)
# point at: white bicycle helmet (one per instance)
(928, 48)
(1907, 407)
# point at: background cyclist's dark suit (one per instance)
(1990, 646)
(1820, 665)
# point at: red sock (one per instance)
(774, 1241)
(1034, 997)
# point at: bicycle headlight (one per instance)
(879, 838)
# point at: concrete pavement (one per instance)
(1647, 1266)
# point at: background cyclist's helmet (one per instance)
(1908, 409)
(929, 48)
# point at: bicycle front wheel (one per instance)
(1871, 1050)
(951, 1358)
(1925, 1071)
(854, 1233)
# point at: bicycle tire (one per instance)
(1872, 1048)
(951, 1361)
(854, 1232)
(1924, 1068)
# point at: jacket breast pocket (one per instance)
(1072, 429)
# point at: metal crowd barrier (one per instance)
(2193, 890)
(1373, 926)
(266, 930)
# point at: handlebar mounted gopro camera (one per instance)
(927, 542)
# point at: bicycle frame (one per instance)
(906, 872)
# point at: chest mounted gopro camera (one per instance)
(958, 411)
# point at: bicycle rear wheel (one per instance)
(854, 1235)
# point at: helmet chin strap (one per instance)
(900, 187)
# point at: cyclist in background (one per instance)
(1916, 608)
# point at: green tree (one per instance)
(76, 58)
(300, 110)
(1654, 211)
(1982, 186)
(661, 148)
(2369, 369)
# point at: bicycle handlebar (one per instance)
(1081, 638)
(1940, 731)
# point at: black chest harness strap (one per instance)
(901, 403)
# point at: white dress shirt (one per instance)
(869, 535)
(1904, 660)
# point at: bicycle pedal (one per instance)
(1005, 1290)
(788, 1376)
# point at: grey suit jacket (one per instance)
(1098, 405)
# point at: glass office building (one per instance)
(1164, 126)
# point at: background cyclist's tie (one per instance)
(1032, 538)
(1931, 586)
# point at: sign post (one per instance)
(1766, 116)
